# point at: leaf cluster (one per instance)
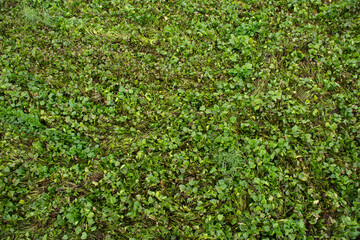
(179, 119)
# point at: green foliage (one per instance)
(179, 119)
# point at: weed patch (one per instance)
(179, 119)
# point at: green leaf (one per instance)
(182, 188)
(303, 177)
(78, 230)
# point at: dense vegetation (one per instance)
(179, 119)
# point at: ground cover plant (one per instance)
(179, 119)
